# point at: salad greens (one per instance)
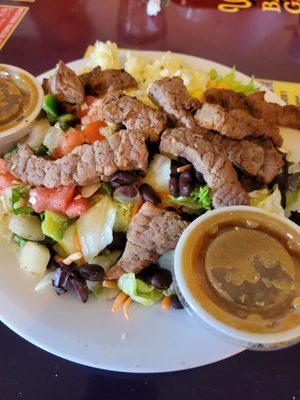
(269, 200)
(233, 83)
(18, 198)
(54, 225)
(123, 216)
(10, 153)
(20, 241)
(199, 199)
(139, 291)
(158, 174)
(50, 106)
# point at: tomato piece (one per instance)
(89, 100)
(7, 180)
(77, 207)
(91, 132)
(71, 139)
(56, 200)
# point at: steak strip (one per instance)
(98, 82)
(119, 108)
(236, 124)
(152, 232)
(257, 106)
(124, 151)
(211, 161)
(171, 96)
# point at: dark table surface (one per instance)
(266, 44)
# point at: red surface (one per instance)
(266, 44)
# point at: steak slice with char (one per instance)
(152, 232)
(123, 151)
(98, 82)
(273, 161)
(211, 161)
(236, 124)
(65, 85)
(256, 105)
(171, 96)
(120, 108)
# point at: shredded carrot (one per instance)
(119, 300)
(166, 303)
(72, 257)
(163, 195)
(136, 208)
(184, 168)
(77, 243)
(126, 308)
(110, 284)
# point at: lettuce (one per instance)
(54, 225)
(123, 216)
(199, 199)
(139, 291)
(158, 174)
(232, 83)
(19, 196)
(268, 200)
(292, 201)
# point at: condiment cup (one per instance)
(9, 137)
(243, 338)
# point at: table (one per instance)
(266, 44)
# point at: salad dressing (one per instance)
(245, 271)
(18, 97)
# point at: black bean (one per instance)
(129, 191)
(123, 178)
(91, 272)
(174, 186)
(199, 177)
(188, 217)
(148, 194)
(60, 279)
(162, 279)
(174, 166)
(182, 161)
(80, 288)
(175, 302)
(119, 241)
(147, 273)
(186, 182)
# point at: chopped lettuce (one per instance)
(45, 281)
(107, 258)
(34, 258)
(105, 188)
(123, 216)
(37, 133)
(139, 291)
(158, 174)
(292, 201)
(95, 228)
(27, 226)
(67, 241)
(8, 154)
(268, 200)
(20, 241)
(54, 225)
(167, 260)
(199, 199)
(232, 83)
(19, 196)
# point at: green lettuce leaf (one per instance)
(10, 153)
(18, 240)
(268, 200)
(139, 291)
(292, 201)
(233, 83)
(199, 199)
(123, 216)
(54, 225)
(19, 196)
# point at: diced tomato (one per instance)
(91, 132)
(89, 100)
(71, 139)
(56, 200)
(77, 207)
(6, 178)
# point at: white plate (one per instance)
(152, 341)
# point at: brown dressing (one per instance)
(244, 269)
(18, 97)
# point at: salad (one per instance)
(115, 167)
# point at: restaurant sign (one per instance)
(232, 6)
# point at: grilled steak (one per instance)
(211, 161)
(236, 124)
(98, 82)
(65, 85)
(257, 106)
(152, 232)
(171, 96)
(119, 108)
(273, 161)
(124, 151)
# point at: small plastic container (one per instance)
(29, 96)
(212, 320)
